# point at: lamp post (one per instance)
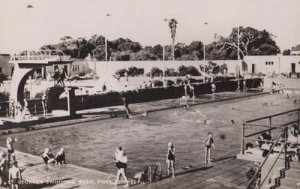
(28, 29)
(205, 23)
(105, 42)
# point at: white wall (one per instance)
(107, 69)
(280, 64)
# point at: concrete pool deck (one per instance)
(221, 174)
(36, 175)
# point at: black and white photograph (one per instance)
(150, 94)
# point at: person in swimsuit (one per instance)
(10, 149)
(171, 158)
(14, 176)
(60, 157)
(126, 105)
(213, 88)
(209, 143)
(48, 157)
(121, 164)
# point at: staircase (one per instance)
(292, 177)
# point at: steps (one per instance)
(292, 177)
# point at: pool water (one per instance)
(145, 139)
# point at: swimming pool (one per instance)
(145, 139)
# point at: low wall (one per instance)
(133, 96)
(151, 94)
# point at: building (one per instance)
(5, 68)
(269, 65)
(295, 50)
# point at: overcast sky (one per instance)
(142, 20)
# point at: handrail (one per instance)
(263, 163)
(263, 181)
(274, 115)
(271, 129)
(40, 55)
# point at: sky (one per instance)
(142, 20)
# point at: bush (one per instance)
(121, 72)
(134, 71)
(155, 72)
(170, 72)
(157, 83)
(180, 81)
(170, 83)
(191, 70)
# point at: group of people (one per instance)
(59, 159)
(10, 173)
(121, 161)
(265, 144)
(20, 111)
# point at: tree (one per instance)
(170, 72)
(191, 70)
(248, 41)
(173, 25)
(155, 72)
(134, 71)
(286, 52)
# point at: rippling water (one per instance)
(92, 144)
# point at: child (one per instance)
(142, 176)
(60, 157)
(171, 158)
(209, 142)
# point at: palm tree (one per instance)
(172, 25)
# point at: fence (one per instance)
(267, 124)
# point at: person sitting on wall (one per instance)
(60, 157)
(142, 177)
(48, 157)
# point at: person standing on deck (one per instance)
(209, 143)
(10, 149)
(14, 176)
(171, 159)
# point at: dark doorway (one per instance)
(293, 67)
(253, 68)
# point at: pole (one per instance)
(164, 53)
(105, 48)
(204, 52)
(242, 137)
(238, 52)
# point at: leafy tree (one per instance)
(191, 70)
(286, 52)
(251, 42)
(134, 71)
(155, 72)
(121, 72)
(170, 72)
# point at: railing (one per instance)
(35, 107)
(270, 127)
(253, 182)
(44, 55)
